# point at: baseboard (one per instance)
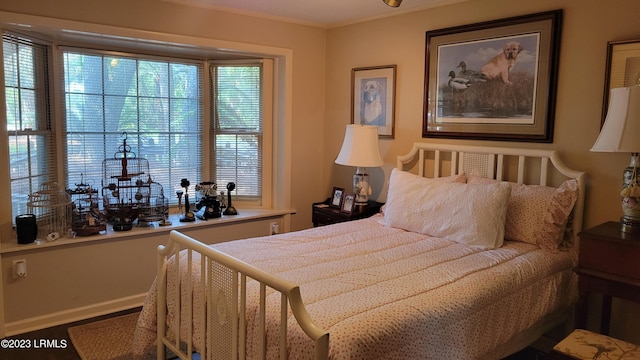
(68, 316)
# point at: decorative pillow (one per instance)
(537, 214)
(469, 214)
(460, 178)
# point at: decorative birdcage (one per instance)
(87, 219)
(52, 208)
(153, 205)
(128, 193)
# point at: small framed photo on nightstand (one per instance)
(336, 197)
(348, 203)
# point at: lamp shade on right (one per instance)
(621, 129)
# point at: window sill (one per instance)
(153, 228)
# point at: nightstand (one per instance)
(607, 265)
(323, 214)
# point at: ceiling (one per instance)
(320, 13)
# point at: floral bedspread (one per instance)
(386, 293)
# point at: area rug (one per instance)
(108, 339)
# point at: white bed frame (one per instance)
(226, 332)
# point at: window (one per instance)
(238, 128)
(154, 102)
(29, 126)
(154, 105)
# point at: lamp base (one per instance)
(629, 225)
(361, 188)
(630, 221)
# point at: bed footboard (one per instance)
(219, 315)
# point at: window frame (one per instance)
(266, 136)
(44, 118)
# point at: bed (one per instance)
(472, 257)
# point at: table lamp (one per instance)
(360, 149)
(621, 133)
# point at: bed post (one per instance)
(161, 290)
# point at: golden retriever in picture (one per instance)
(500, 65)
(371, 98)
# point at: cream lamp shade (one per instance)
(621, 133)
(360, 149)
(621, 129)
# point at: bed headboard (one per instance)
(523, 166)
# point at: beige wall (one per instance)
(75, 279)
(588, 26)
(322, 63)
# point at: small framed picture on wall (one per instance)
(373, 92)
(336, 197)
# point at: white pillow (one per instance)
(469, 214)
(459, 178)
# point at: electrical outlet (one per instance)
(275, 228)
(19, 268)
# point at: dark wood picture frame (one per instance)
(506, 97)
(373, 98)
(623, 68)
(348, 203)
(337, 195)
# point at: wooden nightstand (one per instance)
(323, 214)
(608, 265)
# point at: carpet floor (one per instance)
(105, 339)
(109, 338)
(58, 334)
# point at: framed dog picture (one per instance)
(348, 203)
(336, 197)
(493, 80)
(623, 68)
(373, 92)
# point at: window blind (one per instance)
(28, 112)
(237, 131)
(154, 103)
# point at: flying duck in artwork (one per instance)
(472, 75)
(458, 83)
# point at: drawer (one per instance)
(611, 257)
(322, 218)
